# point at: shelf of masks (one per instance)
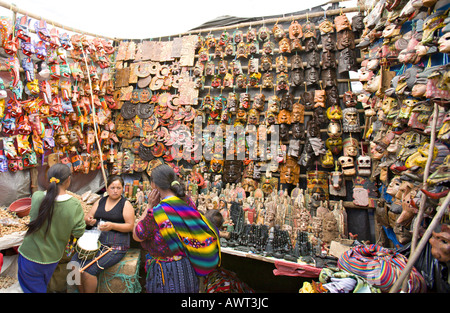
(306, 269)
(15, 10)
(306, 16)
(129, 62)
(46, 96)
(407, 43)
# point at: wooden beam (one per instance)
(15, 9)
(277, 20)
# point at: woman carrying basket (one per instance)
(181, 243)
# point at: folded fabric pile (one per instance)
(380, 267)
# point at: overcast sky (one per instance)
(137, 19)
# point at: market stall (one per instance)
(320, 136)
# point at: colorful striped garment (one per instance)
(185, 229)
(380, 266)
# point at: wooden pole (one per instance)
(15, 9)
(95, 260)
(423, 199)
(94, 122)
(425, 178)
(426, 236)
(277, 19)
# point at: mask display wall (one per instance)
(314, 102)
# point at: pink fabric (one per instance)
(292, 269)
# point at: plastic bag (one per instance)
(434, 272)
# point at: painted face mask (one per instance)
(334, 145)
(326, 27)
(345, 39)
(350, 147)
(440, 244)
(444, 43)
(309, 30)
(295, 30)
(349, 99)
(3, 163)
(432, 23)
(298, 111)
(351, 120)
(334, 113)
(259, 102)
(334, 129)
(347, 165)
(278, 32)
(347, 60)
(342, 22)
(263, 34)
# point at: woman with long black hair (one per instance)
(114, 216)
(55, 216)
(181, 244)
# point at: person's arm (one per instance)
(153, 200)
(128, 216)
(89, 217)
(80, 224)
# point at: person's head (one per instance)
(215, 217)
(163, 177)
(115, 187)
(59, 177)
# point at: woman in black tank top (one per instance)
(114, 216)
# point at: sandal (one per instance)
(41, 30)
(22, 31)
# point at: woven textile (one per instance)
(380, 267)
(224, 281)
(186, 229)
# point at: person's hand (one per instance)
(154, 198)
(105, 226)
(91, 221)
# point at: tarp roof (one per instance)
(138, 19)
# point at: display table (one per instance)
(268, 274)
(283, 267)
(12, 240)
